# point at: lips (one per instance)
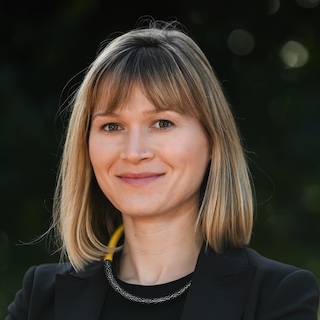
(139, 179)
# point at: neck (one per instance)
(156, 252)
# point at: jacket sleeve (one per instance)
(295, 298)
(19, 308)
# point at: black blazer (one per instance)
(240, 284)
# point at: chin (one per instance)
(139, 213)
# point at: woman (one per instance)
(152, 149)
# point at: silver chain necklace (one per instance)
(116, 286)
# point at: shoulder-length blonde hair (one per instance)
(173, 73)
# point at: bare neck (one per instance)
(160, 251)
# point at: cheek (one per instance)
(191, 154)
(103, 158)
(198, 150)
(99, 157)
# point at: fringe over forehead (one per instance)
(160, 63)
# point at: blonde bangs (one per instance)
(160, 75)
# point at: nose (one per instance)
(136, 146)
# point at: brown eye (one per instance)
(163, 124)
(111, 127)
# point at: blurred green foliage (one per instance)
(276, 102)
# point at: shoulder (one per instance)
(278, 284)
(275, 289)
(274, 270)
(37, 294)
(265, 264)
(271, 272)
(238, 260)
(42, 278)
(47, 272)
(50, 271)
(37, 289)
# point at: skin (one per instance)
(150, 165)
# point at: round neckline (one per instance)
(177, 282)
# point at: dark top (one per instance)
(239, 284)
(117, 307)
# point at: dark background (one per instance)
(45, 45)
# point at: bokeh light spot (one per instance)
(241, 42)
(294, 54)
(272, 6)
(308, 4)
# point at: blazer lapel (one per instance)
(80, 295)
(220, 286)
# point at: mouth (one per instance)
(140, 179)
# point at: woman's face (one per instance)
(148, 163)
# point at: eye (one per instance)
(163, 124)
(110, 127)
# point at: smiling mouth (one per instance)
(140, 179)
